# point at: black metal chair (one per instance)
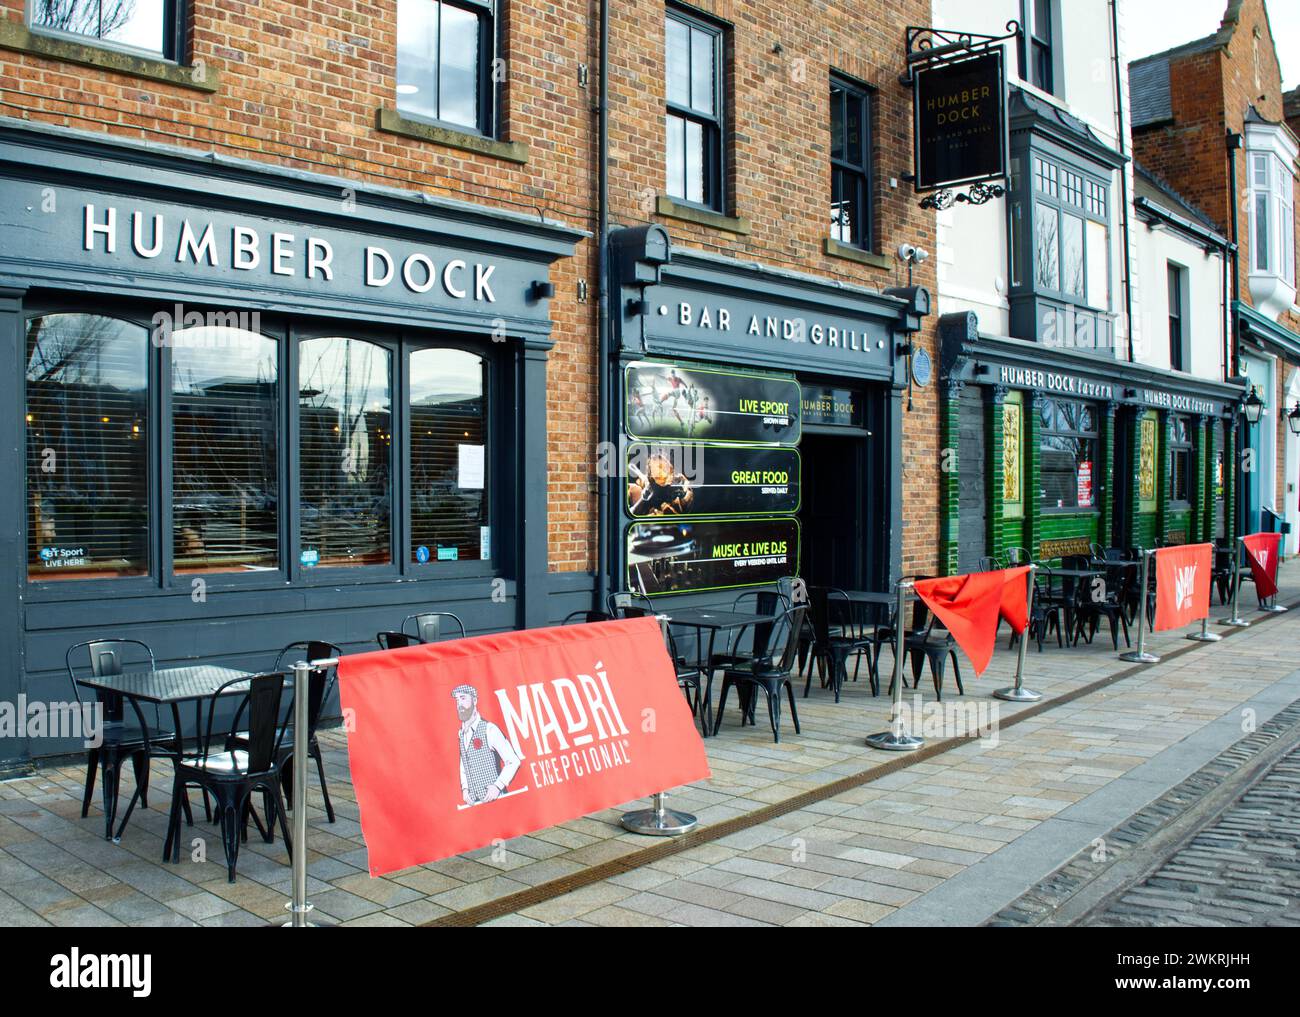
(931, 642)
(585, 617)
(121, 739)
(629, 605)
(232, 775)
(428, 625)
(770, 674)
(396, 640)
(320, 686)
(1092, 605)
(766, 602)
(832, 649)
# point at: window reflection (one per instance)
(345, 452)
(449, 485)
(87, 447)
(225, 450)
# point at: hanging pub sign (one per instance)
(669, 479)
(714, 555)
(710, 404)
(960, 121)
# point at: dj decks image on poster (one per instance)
(712, 555)
(704, 404)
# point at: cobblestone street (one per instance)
(1243, 869)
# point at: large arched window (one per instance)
(449, 435)
(225, 455)
(87, 447)
(345, 447)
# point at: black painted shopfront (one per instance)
(1058, 449)
(759, 418)
(247, 406)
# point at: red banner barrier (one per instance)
(1182, 585)
(455, 745)
(1262, 553)
(971, 606)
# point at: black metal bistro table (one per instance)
(712, 621)
(168, 686)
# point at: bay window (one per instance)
(1060, 254)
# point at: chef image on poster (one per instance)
(488, 762)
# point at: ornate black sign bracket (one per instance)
(929, 46)
(977, 195)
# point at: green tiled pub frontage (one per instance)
(1050, 449)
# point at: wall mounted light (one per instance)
(541, 290)
(1293, 418)
(1253, 407)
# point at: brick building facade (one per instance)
(290, 122)
(1213, 117)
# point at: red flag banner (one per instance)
(455, 745)
(1182, 585)
(971, 605)
(1262, 550)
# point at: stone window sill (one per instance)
(390, 121)
(16, 36)
(850, 253)
(671, 209)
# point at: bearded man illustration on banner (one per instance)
(488, 762)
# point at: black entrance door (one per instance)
(972, 484)
(1122, 481)
(833, 513)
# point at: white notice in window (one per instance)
(471, 467)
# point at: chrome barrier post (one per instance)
(896, 739)
(1140, 655)
(1018, 693)
(298, 907)
(659, 821)
(1236, 618)
(1205, 635)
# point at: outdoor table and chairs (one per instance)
(168, 688)
(709, 622)
(832, 644)
(771, 674)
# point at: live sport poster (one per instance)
(723, 554)
(690, 403)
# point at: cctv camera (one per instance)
(920, 254)
(906, 252)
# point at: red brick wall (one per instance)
(301, 81)
(779, 175)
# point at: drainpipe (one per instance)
(603, 534)
(1123, 176)
(1235, 141)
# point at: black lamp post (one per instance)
(1253, 407)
